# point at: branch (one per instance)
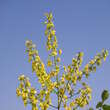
(53, 106)
(73, 94)
(63, 94)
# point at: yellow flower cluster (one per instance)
(52, 43)
(73, 72)
(84, 97)
(43, 78)
(62, 81)
(50, 34)
(27, 92)
(91, 66)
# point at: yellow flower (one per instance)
(34, 108)
(24, 95)
(74, 79)
(49, 47)
(49, 63)
(54, 53)
(53, 32)
(65, 97)
(60, 51)
(33, 91)
(81, 54)
(21, 85)
(79, 73)
(86, 68)
(28, 43)
(72, 104)
(28, 84)
(55, 44)
(41, 105)
(37, 58)
(18, 92)
(58, 59)
(22, 77)
(91, 62)
(50, 25)
(67, 108)
(52, 73)
(89, 90)
(68, 77)
(34, 101)
(61, 90)
(50, 16)
(62, 80)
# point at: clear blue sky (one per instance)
(81, 25)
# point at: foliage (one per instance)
(60, 80)
(101, 104)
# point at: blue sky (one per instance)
(81, 25)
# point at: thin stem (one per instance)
(73, 95)
(53, 106)
(57, 82)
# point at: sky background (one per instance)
(81, 25)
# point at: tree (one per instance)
(60, 80)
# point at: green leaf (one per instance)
(99, 104)
(105, 95)
(91, 108)
(106, 107)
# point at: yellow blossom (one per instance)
(18, 92)
(60, 51)
(72, 104)
(58, 59)
(49, 63)
(53, 32)
(21, 77)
